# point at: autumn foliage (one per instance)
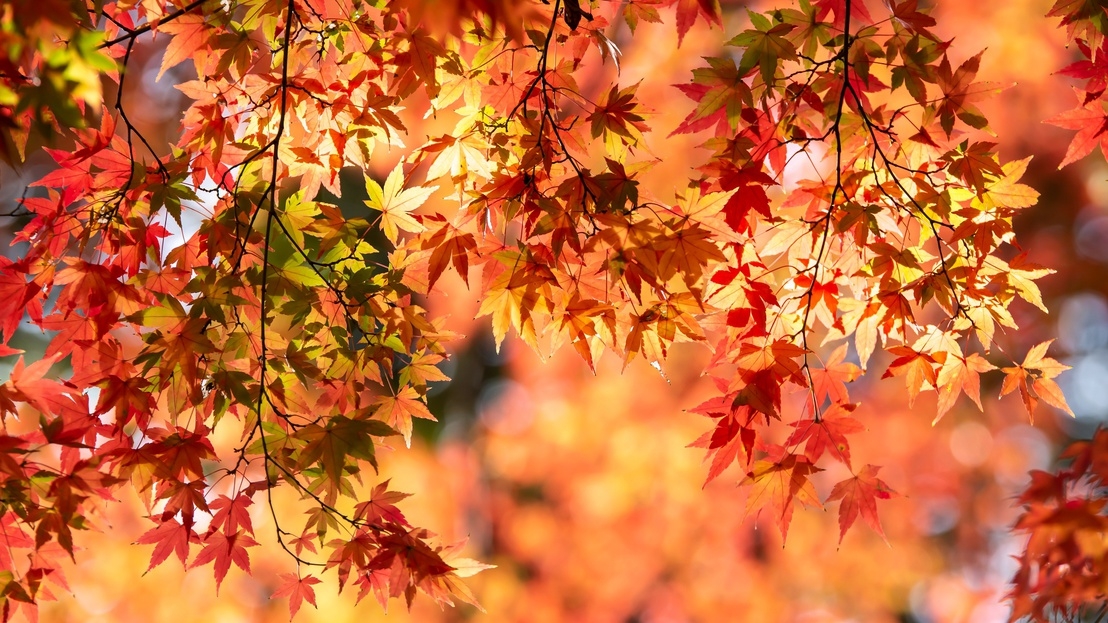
(237, 321)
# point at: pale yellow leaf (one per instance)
(395, 203)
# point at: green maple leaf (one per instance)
(765, 47)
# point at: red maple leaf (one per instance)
(859, 495)
(688, 10)
(231, 513)
(169, 537)
(1091, 123)
(382, 505)
(298, 590)
(829, 433)
(750, 185)
(839, 8)
(223, 550)
(15, 295)
(1093, 68)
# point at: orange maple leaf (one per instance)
(190, 33)
(777, 483)
(1034, 379)
(399, 410)
(919, 369)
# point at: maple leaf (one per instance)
(1091, 122)
(584, 321)
(1007, 192)
(1083, 20)
(422, 59)
(340, 438)
(732, 437)
(959, 93)
(1094, 69)
(645, 10)
(182, 497)
(16, 294)
(687, 251)
(688, 10)
(190, 33)
(764, 47)
(1043, 488)
(918, 369)
(960, 375)
(730, 452)
(297, 589)
(422, 369)
(720, 93)
(449, 245)
(231, 513)
(303, 542)
(458, 157)
(29, 384)
(829, 382)
(223, 549)
(129, 400)
(399, 410)
(777, 356)
(777, 483)
(828, 433)
(907, 15)
(348, 554)
(857, 11)
(510, 299)
(859, 496)
(168, 537)
(395, 203)
(972, 161)
(618, 119)
(183, 451)
(1040, 370)
(382, 505)
(750, 185)
(1021, 275)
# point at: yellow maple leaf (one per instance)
(1007, 192)
(395, 203)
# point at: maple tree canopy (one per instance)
(848, 198)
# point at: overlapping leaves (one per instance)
(298, 323)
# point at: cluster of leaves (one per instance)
(894, 243)
(1062, 572)
(49, 72)
(1086, 24)
(302, 323)
(909, 210)
(275, 314)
